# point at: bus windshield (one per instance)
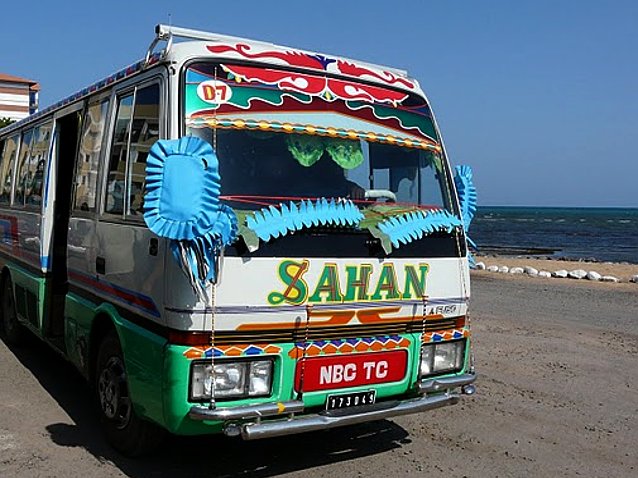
(283, 136)
(259, 165)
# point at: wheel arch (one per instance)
(105, 321)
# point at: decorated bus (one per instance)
(231, 236)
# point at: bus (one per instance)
(335, 289)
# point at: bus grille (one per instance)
(298, 334)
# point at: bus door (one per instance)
(56, 206)
(129, 258)
(82, 239)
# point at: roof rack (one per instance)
(168, 32)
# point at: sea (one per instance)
(598, 234)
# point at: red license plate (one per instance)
(351, 370)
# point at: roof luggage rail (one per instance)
(168, 32)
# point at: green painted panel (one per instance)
(79, 314)
(30, 291)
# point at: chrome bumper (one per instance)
(331, 418)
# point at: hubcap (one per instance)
(113, 393)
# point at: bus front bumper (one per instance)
(330, 418)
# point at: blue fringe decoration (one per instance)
(468, 202)
(182, 188)
(468, 199)
(182, 204)
(414, 225)
(273, 222)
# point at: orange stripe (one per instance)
(339, 318)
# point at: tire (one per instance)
(12, 329)
(125, 431)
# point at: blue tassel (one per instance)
(468, 201)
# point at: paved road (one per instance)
(556, 397)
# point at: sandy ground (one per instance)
(556, 397)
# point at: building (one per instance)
(18, 97)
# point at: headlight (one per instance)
(442, 357)
(232, 379)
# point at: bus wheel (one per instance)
(125, 431)
(13, 330)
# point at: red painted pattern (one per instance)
(352, 69)
(316, 85)
(315, 62)
(292, 58)
(355, 91)
(303, 83)
(343, 371)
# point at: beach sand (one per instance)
(622, 271)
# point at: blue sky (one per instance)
(539, 97)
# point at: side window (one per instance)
(433, 182)
(6, 168)
(117, 160)
(89, 156)
(136, 129)
(144, 133)
(37, 163)
(22, 177)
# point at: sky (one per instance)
(539, 97)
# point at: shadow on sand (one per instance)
(202, 456)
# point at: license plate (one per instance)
(347, 400)
(332, 372)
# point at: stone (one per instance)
(531, 271)
(545, 274)
(634, 279)
(492, 268)
(609, 279)
(593, 275)
(504, 269)
(479, 266)
(516, 270)
(561, 273)
(577, 274)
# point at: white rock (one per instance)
(561, 273)
(516, 270)
(577, 274)
(634, 279)
(492, 268)
(480, 266)
(544, 274)
(609, 279)
(593, 275)
(531, 271)
(504, 269)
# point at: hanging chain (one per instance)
(215, 114)
(212, 295)
(211, 305)
(305, 347)
(424, 299)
